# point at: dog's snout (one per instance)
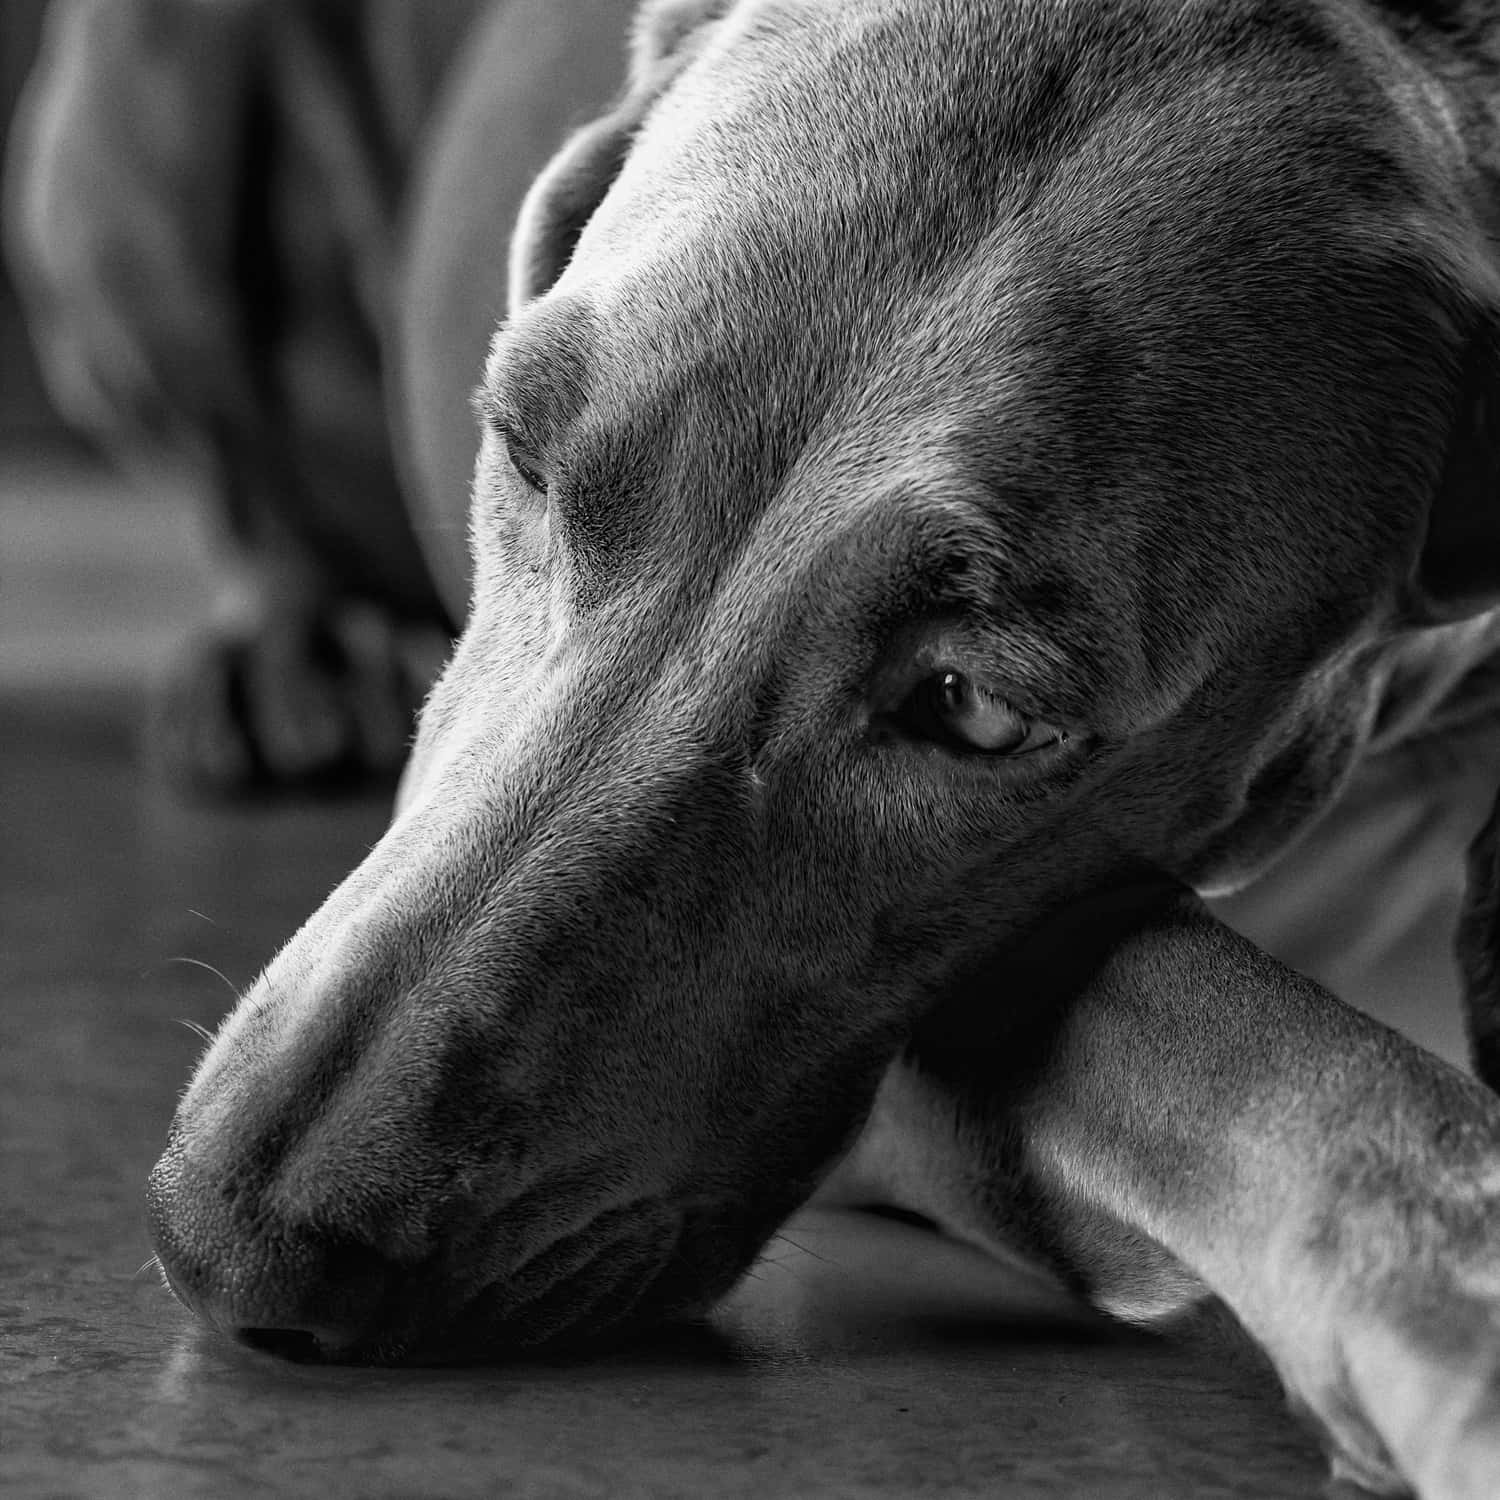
(453, 1115)
(555, 1270)
(287, 1289)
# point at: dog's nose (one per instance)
(278, 1287)
(275, 1284)
(302, 1301)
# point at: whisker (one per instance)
(149, 1264)
(803, 1248)
(229, 984)
(202, 915)
(782, 1265)
(201, 1032)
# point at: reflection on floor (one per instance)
(864, 1358)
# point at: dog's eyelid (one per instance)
(523, 455)
(1008, 698)
(1007, 666)
(499, 416)
(524, 462)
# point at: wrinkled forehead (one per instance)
(1172, 182)
(1107, 270)
(832, 171)
(922, 126)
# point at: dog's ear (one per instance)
(667, 35)
(1458, 569)
(1453, 98)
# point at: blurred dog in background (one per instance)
(203, 209)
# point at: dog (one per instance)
(960, 482)
(200, 213)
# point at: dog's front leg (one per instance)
(1191, 1114)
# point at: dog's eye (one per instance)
(523, 461)
(957, 711)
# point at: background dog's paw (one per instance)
(319, 702)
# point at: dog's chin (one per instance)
(583, 1322)
(622, 1295)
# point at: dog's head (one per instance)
(942, 457)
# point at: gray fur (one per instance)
(1136, 358)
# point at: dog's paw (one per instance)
(1357, 1456)
(1407, 1394)
(296, 702)
(1417, 1410)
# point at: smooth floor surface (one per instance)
(862, 1358)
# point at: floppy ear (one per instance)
(1451, 94)
(668, 34)
(1458, 570)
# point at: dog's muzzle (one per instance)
(491, 1290)
(554, 1062)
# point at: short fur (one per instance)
(1136, 357)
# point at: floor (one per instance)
(863, 1358)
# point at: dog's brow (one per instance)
(536, 375)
